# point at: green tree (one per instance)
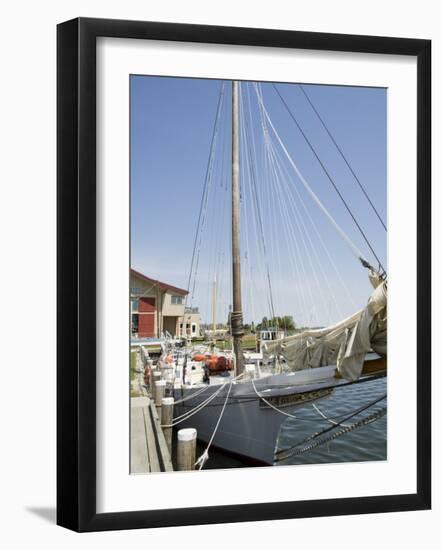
(285, 323)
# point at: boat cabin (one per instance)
(271, 333)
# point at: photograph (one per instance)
(258, 274)
(223, 207)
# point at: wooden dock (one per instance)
(151, 444)
(148, 449)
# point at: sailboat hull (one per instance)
(249, 426)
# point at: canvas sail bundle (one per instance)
(344, 344)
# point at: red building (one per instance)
(156, 307)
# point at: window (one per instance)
(134, 324)
(134, 290)
(177, 300)
(134, 305)
(193, 328)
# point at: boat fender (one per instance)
(147, 374)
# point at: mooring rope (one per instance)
(200, 406)
(194, 394)
(205, 455)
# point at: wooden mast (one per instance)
(236, 314)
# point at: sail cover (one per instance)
(344, 344)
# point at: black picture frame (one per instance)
(76, 274)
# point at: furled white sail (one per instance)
(344, 344)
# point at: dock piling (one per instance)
(186, 449)
(155, 377)
(166, 419)
(160, 390)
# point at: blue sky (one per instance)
(313, 274)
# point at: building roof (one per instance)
(164, 286)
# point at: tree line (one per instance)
(283, 323)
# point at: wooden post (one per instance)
(155, 377)
(160, 389)
(166, 420)
(186, 449)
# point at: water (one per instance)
(363, 444)
(367, 443)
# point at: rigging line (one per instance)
(285, 177)
(258, 254)
(308, 239)
(264, 198)
(270, 404)
(325, 430)
(373, 417)
(220, 264)
(210, 249)
(205, 188)
(216, 248)
(274, 222)
(269, 200)
(255, 197)
(333, 184)
(247, 258)
(256, 200)
(275, 228)
(254, 212)
(318, 410)
(313, 195)
(291, 233)
(343, 156)
(250, 307)
(222, 190)
(291, 243)
(224, 198)
(318, 235)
